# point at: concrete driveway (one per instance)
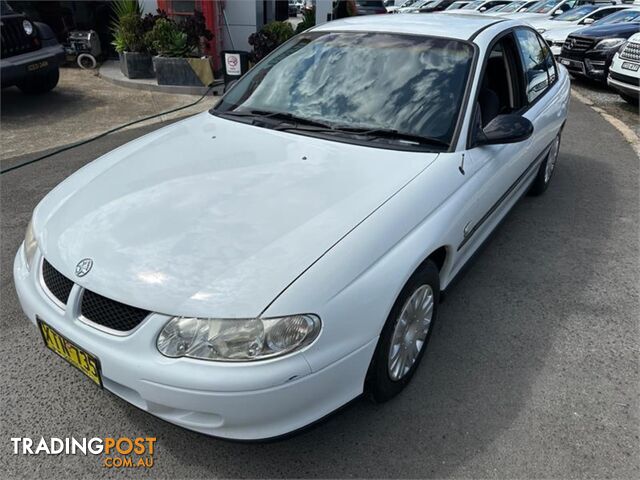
(81, 106)
(532, 370)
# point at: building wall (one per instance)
(241, 18)
(148, 6)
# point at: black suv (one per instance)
(588, 52)
(30, 53)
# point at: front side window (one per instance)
(534, 60)
(410, 84)
(543, 6)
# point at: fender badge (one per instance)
(83, 267)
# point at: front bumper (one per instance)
(622, 79)
(633, 90)
(592, 64)
(14, 69)
(245, 401)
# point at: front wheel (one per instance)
(546, 170)
(40, 82)
(405, 335)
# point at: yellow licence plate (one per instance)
(76, 356)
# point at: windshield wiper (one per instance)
(294, 122)
(386, 133)
(285, 116)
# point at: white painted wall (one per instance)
(148, 6)
(241, 19)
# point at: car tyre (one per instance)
(545, 172)
(40, 83)
(385, 379)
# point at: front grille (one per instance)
(109, 313)
(625, 78)
(58, 285)
(577, 44)
(631, 52)
(14, 40)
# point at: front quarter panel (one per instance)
(354, 285)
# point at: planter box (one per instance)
(192, 72)
(136, 65)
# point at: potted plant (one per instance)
(179, 59)
(268, 38)
(128, 40)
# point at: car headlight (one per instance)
(609, 43)
(30, 245)
(27, 26)
(237, 340)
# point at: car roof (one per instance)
(449, 25)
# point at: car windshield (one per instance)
(511, 7)
(422, 3)
(624, 16)
(497, 8)
(472, 5)
(544, 6)
(575, 14)
(456, 6)
(408, 3)
(332, 82)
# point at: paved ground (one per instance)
(609, 101)
(532, 370)
(80, 106)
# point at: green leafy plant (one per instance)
(128, 35)
(198, 35)
(308, 20)
(167, 40)
(268, 38)
(122, 8)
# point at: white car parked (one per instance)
(249, 270)
(479, 6)
(575, 19)
(550, 8)
(624, 72)
(555, 30)
(513, 7)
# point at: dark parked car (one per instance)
(588, 52)
(30, 53)
(369, 7)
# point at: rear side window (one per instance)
(538, 63)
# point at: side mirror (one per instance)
(588, 21)
(558, 12)
(482, 9)
(507, 128)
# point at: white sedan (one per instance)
(575, 19)
(249, 270)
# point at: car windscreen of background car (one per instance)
(575, 14)
(621, 17)
(412, 84)
(543, 7)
